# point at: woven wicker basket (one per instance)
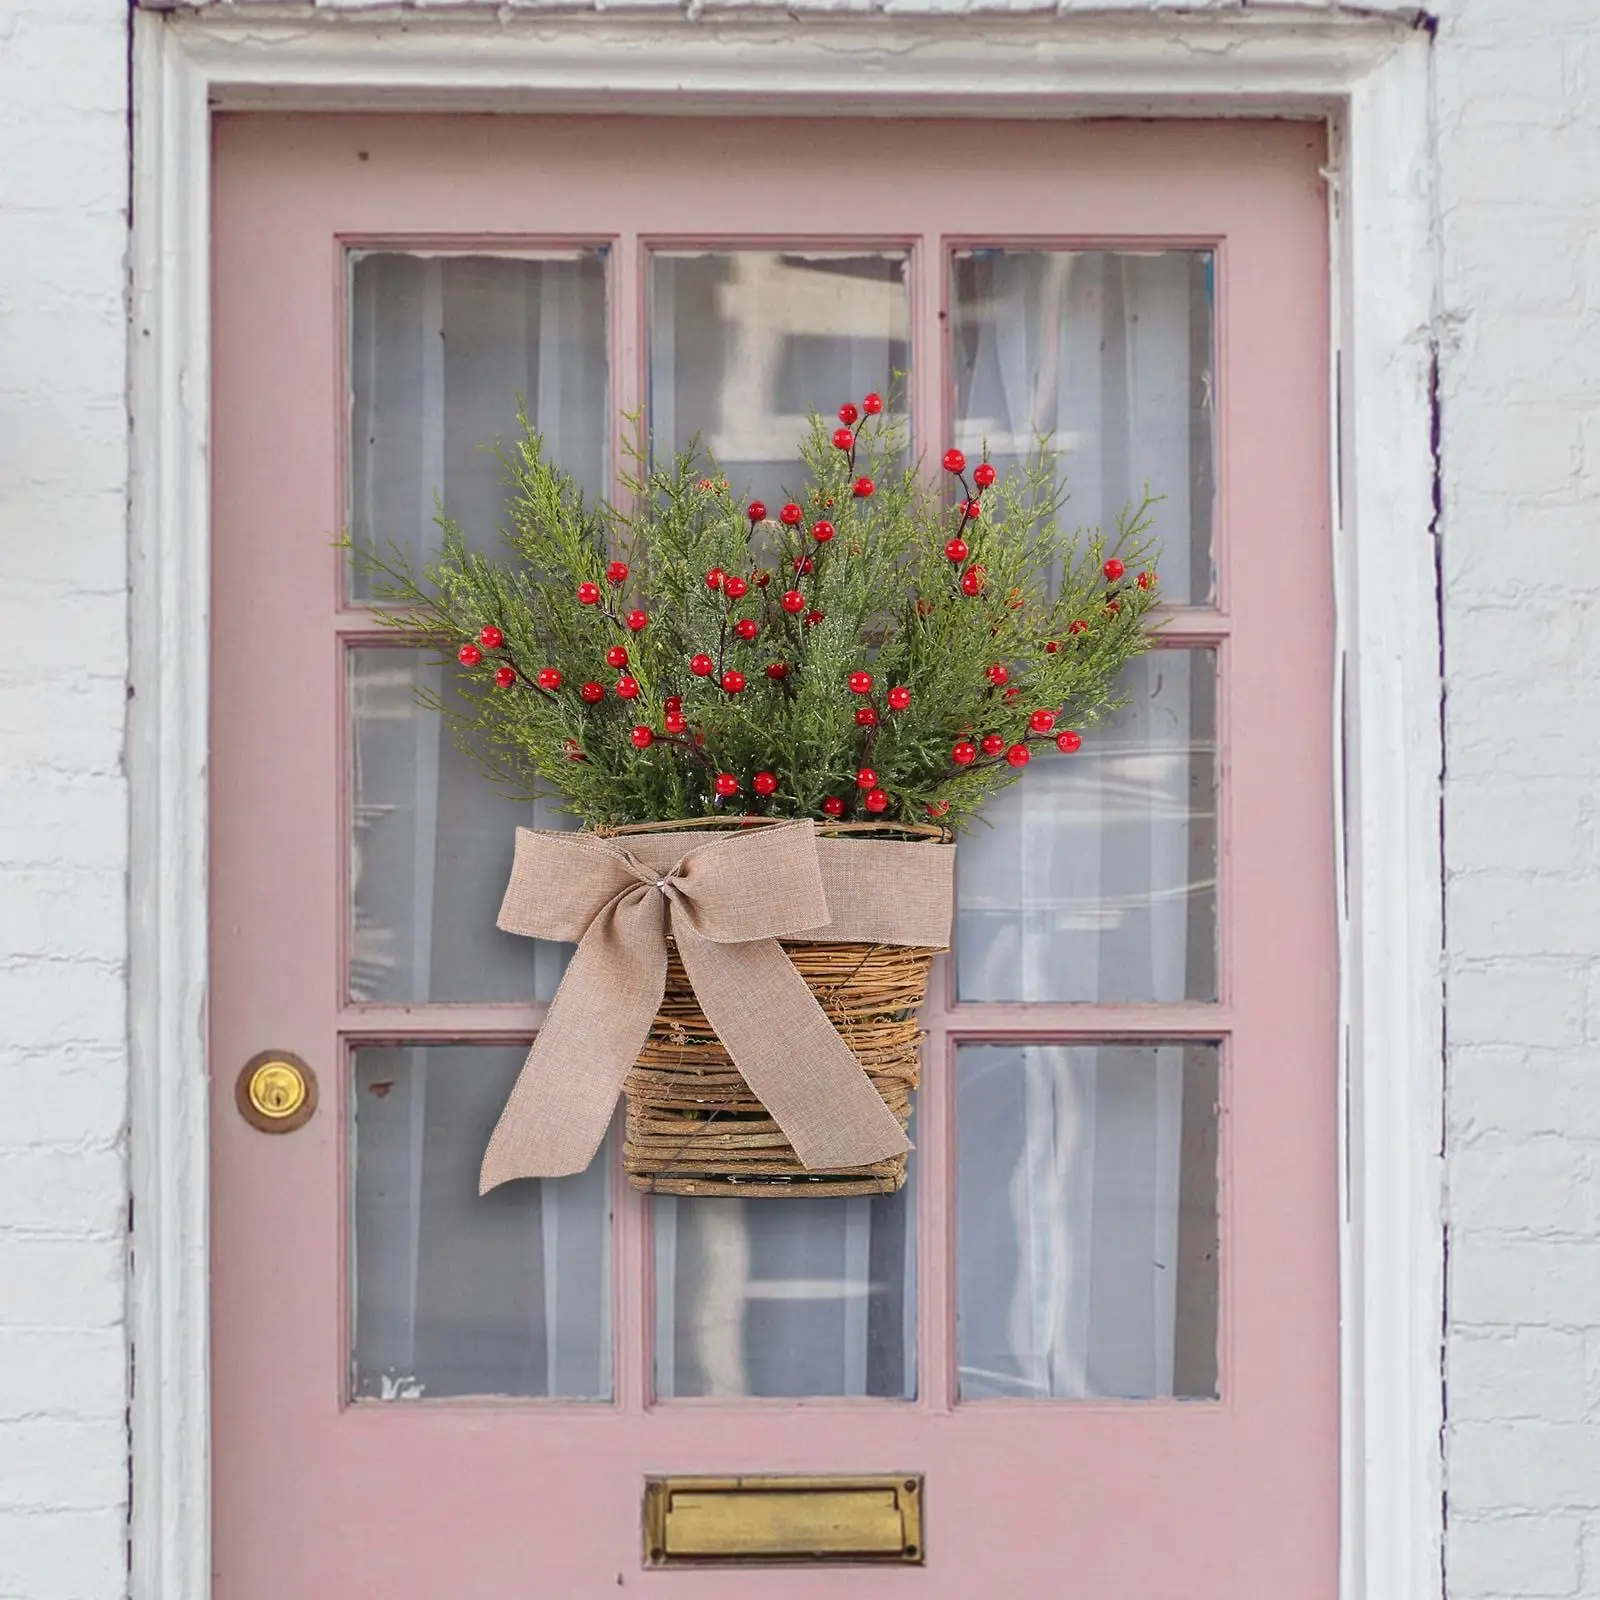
(694, 1126)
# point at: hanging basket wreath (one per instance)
(770, 725)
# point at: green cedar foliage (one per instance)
(891, 603)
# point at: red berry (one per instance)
(804, 564)
(714, 578)
(592, 692)
(491, 637)
(848, 414)
(588, 594)
(616, 656)
(1067, 742)
(756, 511)
(983, 475)
(997, 675)
(1051, 646)
(872, 405)
(636, 621)
(761, 577)
(1013, 693)
(833, 806)
(938, 808)
(733, 680)
(574, 751)
(866, 717)
(702, 666)
(746, 628)
(970, 509)
(675, 722)
(1018, 756)
(813, 618)
(549, 678)
(876, 801)
(627, 688)
(1147, 580)
(642, 737)
(1078, 627)
(899, 698)
(866, 778)
(777, 670)
(735, 587)
(1042, 721)
(726, 784)
(863, 488)
(790, 515)
(993, 744)
(822, 531)
(954, 461)
(504, 677)
(843, 439)
(617, 572)
(860, 683)
(1113, 569)
(956, 550)
(673, 702)
(793, 602)
(972, 581)
(764, 783)
(469, 655)
(1113, 607)
(964, 752)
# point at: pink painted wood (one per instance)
(1149, 1501)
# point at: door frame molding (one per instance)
(1368, 76)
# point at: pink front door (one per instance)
(1101, 1322)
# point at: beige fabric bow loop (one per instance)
(727, 902)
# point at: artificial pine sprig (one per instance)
(871, 652)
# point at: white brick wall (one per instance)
(1518, 85)
(1519, 149)
(63, 850)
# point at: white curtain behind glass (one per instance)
(1086, 1203)
(1095, 878)
(441, 349)
(508, 1294)
(456, 1293)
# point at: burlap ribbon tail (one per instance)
(727, 900)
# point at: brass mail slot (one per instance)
(738, 1520)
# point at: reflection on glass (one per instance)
(430, 851)
(1086, 1221)
(455, 1294)
(441, 348)
(744, 345)
(762, 1297)
(1111, 355)
(1097, 880)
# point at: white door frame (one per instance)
(1368, 75)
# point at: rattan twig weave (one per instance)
(694, 1127)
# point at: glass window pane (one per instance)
(1097, 879)
(442, 348)
(1086, 1221)
(507, 1293)
(770, 1297)
(1111, 355)
(745, 344)
(430, 851)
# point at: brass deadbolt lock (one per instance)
(276, 1092)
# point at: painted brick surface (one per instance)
(1518, 118)
(63, 812)
(1519, 200)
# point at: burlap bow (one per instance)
(729, 900)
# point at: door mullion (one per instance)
(631, 1229)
